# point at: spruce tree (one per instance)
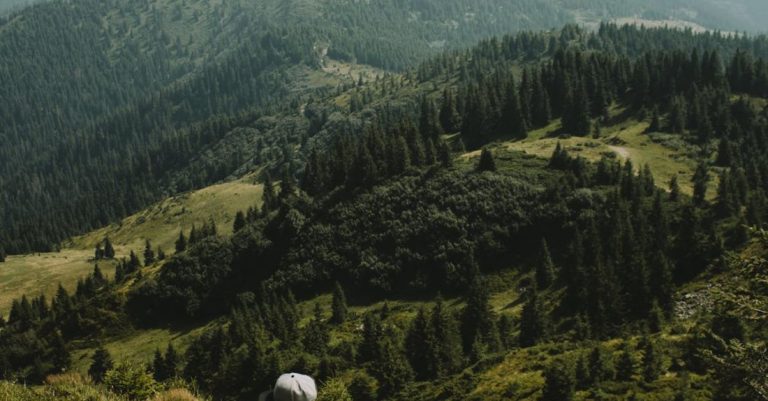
(558, 383)
(477, 321)
(109, 250)
(651, 362)
(339, 305)
(171, 362)
(625, 367)
(391, 369)
(532, 322)
(449, 354)
(149, 254)
(545, 269)
(239, 222)
(600, 367)
(700, 182)
(101, 363)
(449, 115)
(444, 154)
(487, 162)
(420, 347)
(317, 334)
(158, 366)
(268, 197)
(674, 189)
(181, 243)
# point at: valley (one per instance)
(429, 200)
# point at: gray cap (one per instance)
(295, 387)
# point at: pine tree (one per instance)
(444, 154)
(545, 269)
(339, 305)
(477, 322)
(391, 369)
(651, 363)
(449, 115)
(449, 354)
(700, 182)
(149, 254)
(316, 334)
(181, 243)
(60, 356)
(171, 362)
(370, 349)
(109, 250)
(3, 255)
(583, 381)
(625, 367)
(158, 366)
(727, 205)
(239, 222)
(420, 347)
(101, 363)
(268, 197)
(558, 383)
(674, 189)
(429, 123)
(487, 162)
(600, 368)
(532, 322)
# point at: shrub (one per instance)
(133, 382)
(334, 390)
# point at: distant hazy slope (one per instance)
(12, 5)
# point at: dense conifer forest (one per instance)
(402, 249)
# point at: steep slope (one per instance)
(119, 99)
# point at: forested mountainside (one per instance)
(108, 106)
(460, 267)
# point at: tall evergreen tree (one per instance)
(101, 363)
(477, 322)
(532, 321)
(109, 250)
(651, 362)
(149, 254)
(700, 182)
(487, 162)
(239, 221)
(181, 242)
(339, 305)
(558, 383)
(545, 269)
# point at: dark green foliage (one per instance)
(239, 221)
(625, 366)
(700, 183)
(533, 324)
(558, 382)
(181, 243)
(651, 361)
(339, 307)
(149, 254)
(363, 387)
(316, 334)
(486, 162)
(101, 363)
(478, 324)
(545, 269)
(600, 366)
(391, 369)
(109, 250)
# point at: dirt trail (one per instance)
(621, 151)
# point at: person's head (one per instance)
(292, 387)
